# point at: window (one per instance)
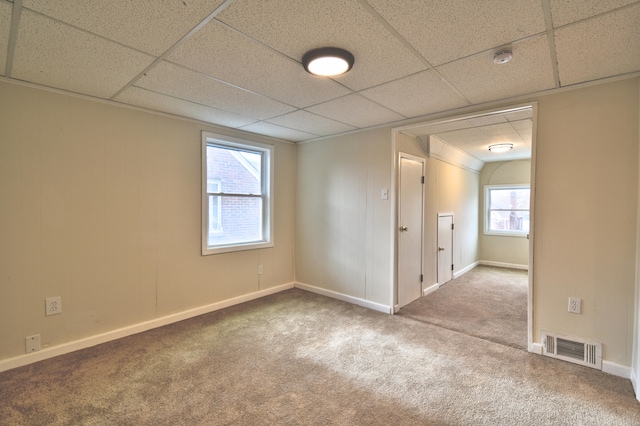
(507, 210)
(237, 206)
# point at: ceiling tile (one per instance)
(157, 102)
(566, 11)
(603, 46)
(5, 27)
(486, 119)
(189, 85)
(280, 132)
(356, 110)
(418, 94)
(310, 123)
(152, 26)
(480, 80)
(226, 55)
(308, 24)
(445, 31)
(54, 54)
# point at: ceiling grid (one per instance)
(236, 63)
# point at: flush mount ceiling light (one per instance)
(327, 61)
(501, 147)
(503, 56)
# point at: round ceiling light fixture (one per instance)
(501, 147)
(503, 56)
(327, 61)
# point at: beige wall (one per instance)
(342, 229)
(585, 214)
(448, 189)
(495, 248)
(101, 205)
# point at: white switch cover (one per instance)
(385, 194)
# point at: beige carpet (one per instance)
(297, 358)
(486, 302)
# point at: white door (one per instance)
(410, 219)
(445, 248)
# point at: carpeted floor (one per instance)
(297, 358)
(486, 302)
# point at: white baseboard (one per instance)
(616, 369)
(87, 342)
(345, 298)
(430, 289)
(607, 366)
(504, 265)
(536, 348)
(465, 270)
(634, 383)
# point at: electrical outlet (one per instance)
(574, 305)
(32, 343)
(53, 305)
(259, 269)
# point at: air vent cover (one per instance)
(572, 349)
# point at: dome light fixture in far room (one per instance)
(327, 61)
(501, 147)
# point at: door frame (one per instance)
(462, 114)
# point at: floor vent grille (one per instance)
(572, 349)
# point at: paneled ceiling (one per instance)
(236, 63)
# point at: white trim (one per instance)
(504, 265)
(344, 297)
(430, 289)
(634, 383)
(535, 348)
(87, 342)
(616, 369)
(487, 210)
(267, 180)
(464, 270)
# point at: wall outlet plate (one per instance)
(53, 305)
(575, 305)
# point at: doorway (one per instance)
(410, 231)
(452, 142)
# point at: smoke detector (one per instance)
(503, 56)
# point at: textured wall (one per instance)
(495, 248)
(585, 214)
(101, 205)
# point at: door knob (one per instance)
(403, 229)
(440, 248)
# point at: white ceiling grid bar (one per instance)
(197, 28)
(13, 35)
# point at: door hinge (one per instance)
(422, 179)
(452, 227)
(421, 278)
(452, 267)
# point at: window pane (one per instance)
(509, 221)
(241, 221)
(238, 172)
(509, 199)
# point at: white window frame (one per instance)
(487, 210)
(267, 180)
(218, 184)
